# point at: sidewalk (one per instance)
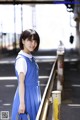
(47, 54)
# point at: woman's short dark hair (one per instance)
(29, 34)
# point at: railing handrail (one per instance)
(38, 117)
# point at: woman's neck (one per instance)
(26, 51)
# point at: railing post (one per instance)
(60, 66)
(56, 98)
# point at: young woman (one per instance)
(27, 97)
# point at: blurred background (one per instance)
(53, 22)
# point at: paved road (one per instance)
(8, 82)
(70, 107)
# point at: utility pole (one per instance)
(33, 16)
(21, 17)
(14, 43)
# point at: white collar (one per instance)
(25, 54)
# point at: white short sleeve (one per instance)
(21, 65)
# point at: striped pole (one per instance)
(60, 71)
(60, 66)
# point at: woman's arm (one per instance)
(21, 92)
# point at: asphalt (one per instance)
(70, 104)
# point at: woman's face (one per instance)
(29, 45)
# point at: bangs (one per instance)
(34, 37)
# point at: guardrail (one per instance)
(42, 112)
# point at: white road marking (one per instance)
(15, 78)
(76, 85)
(74, 105)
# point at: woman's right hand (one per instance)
(21, 108)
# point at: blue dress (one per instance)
(32, 91)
